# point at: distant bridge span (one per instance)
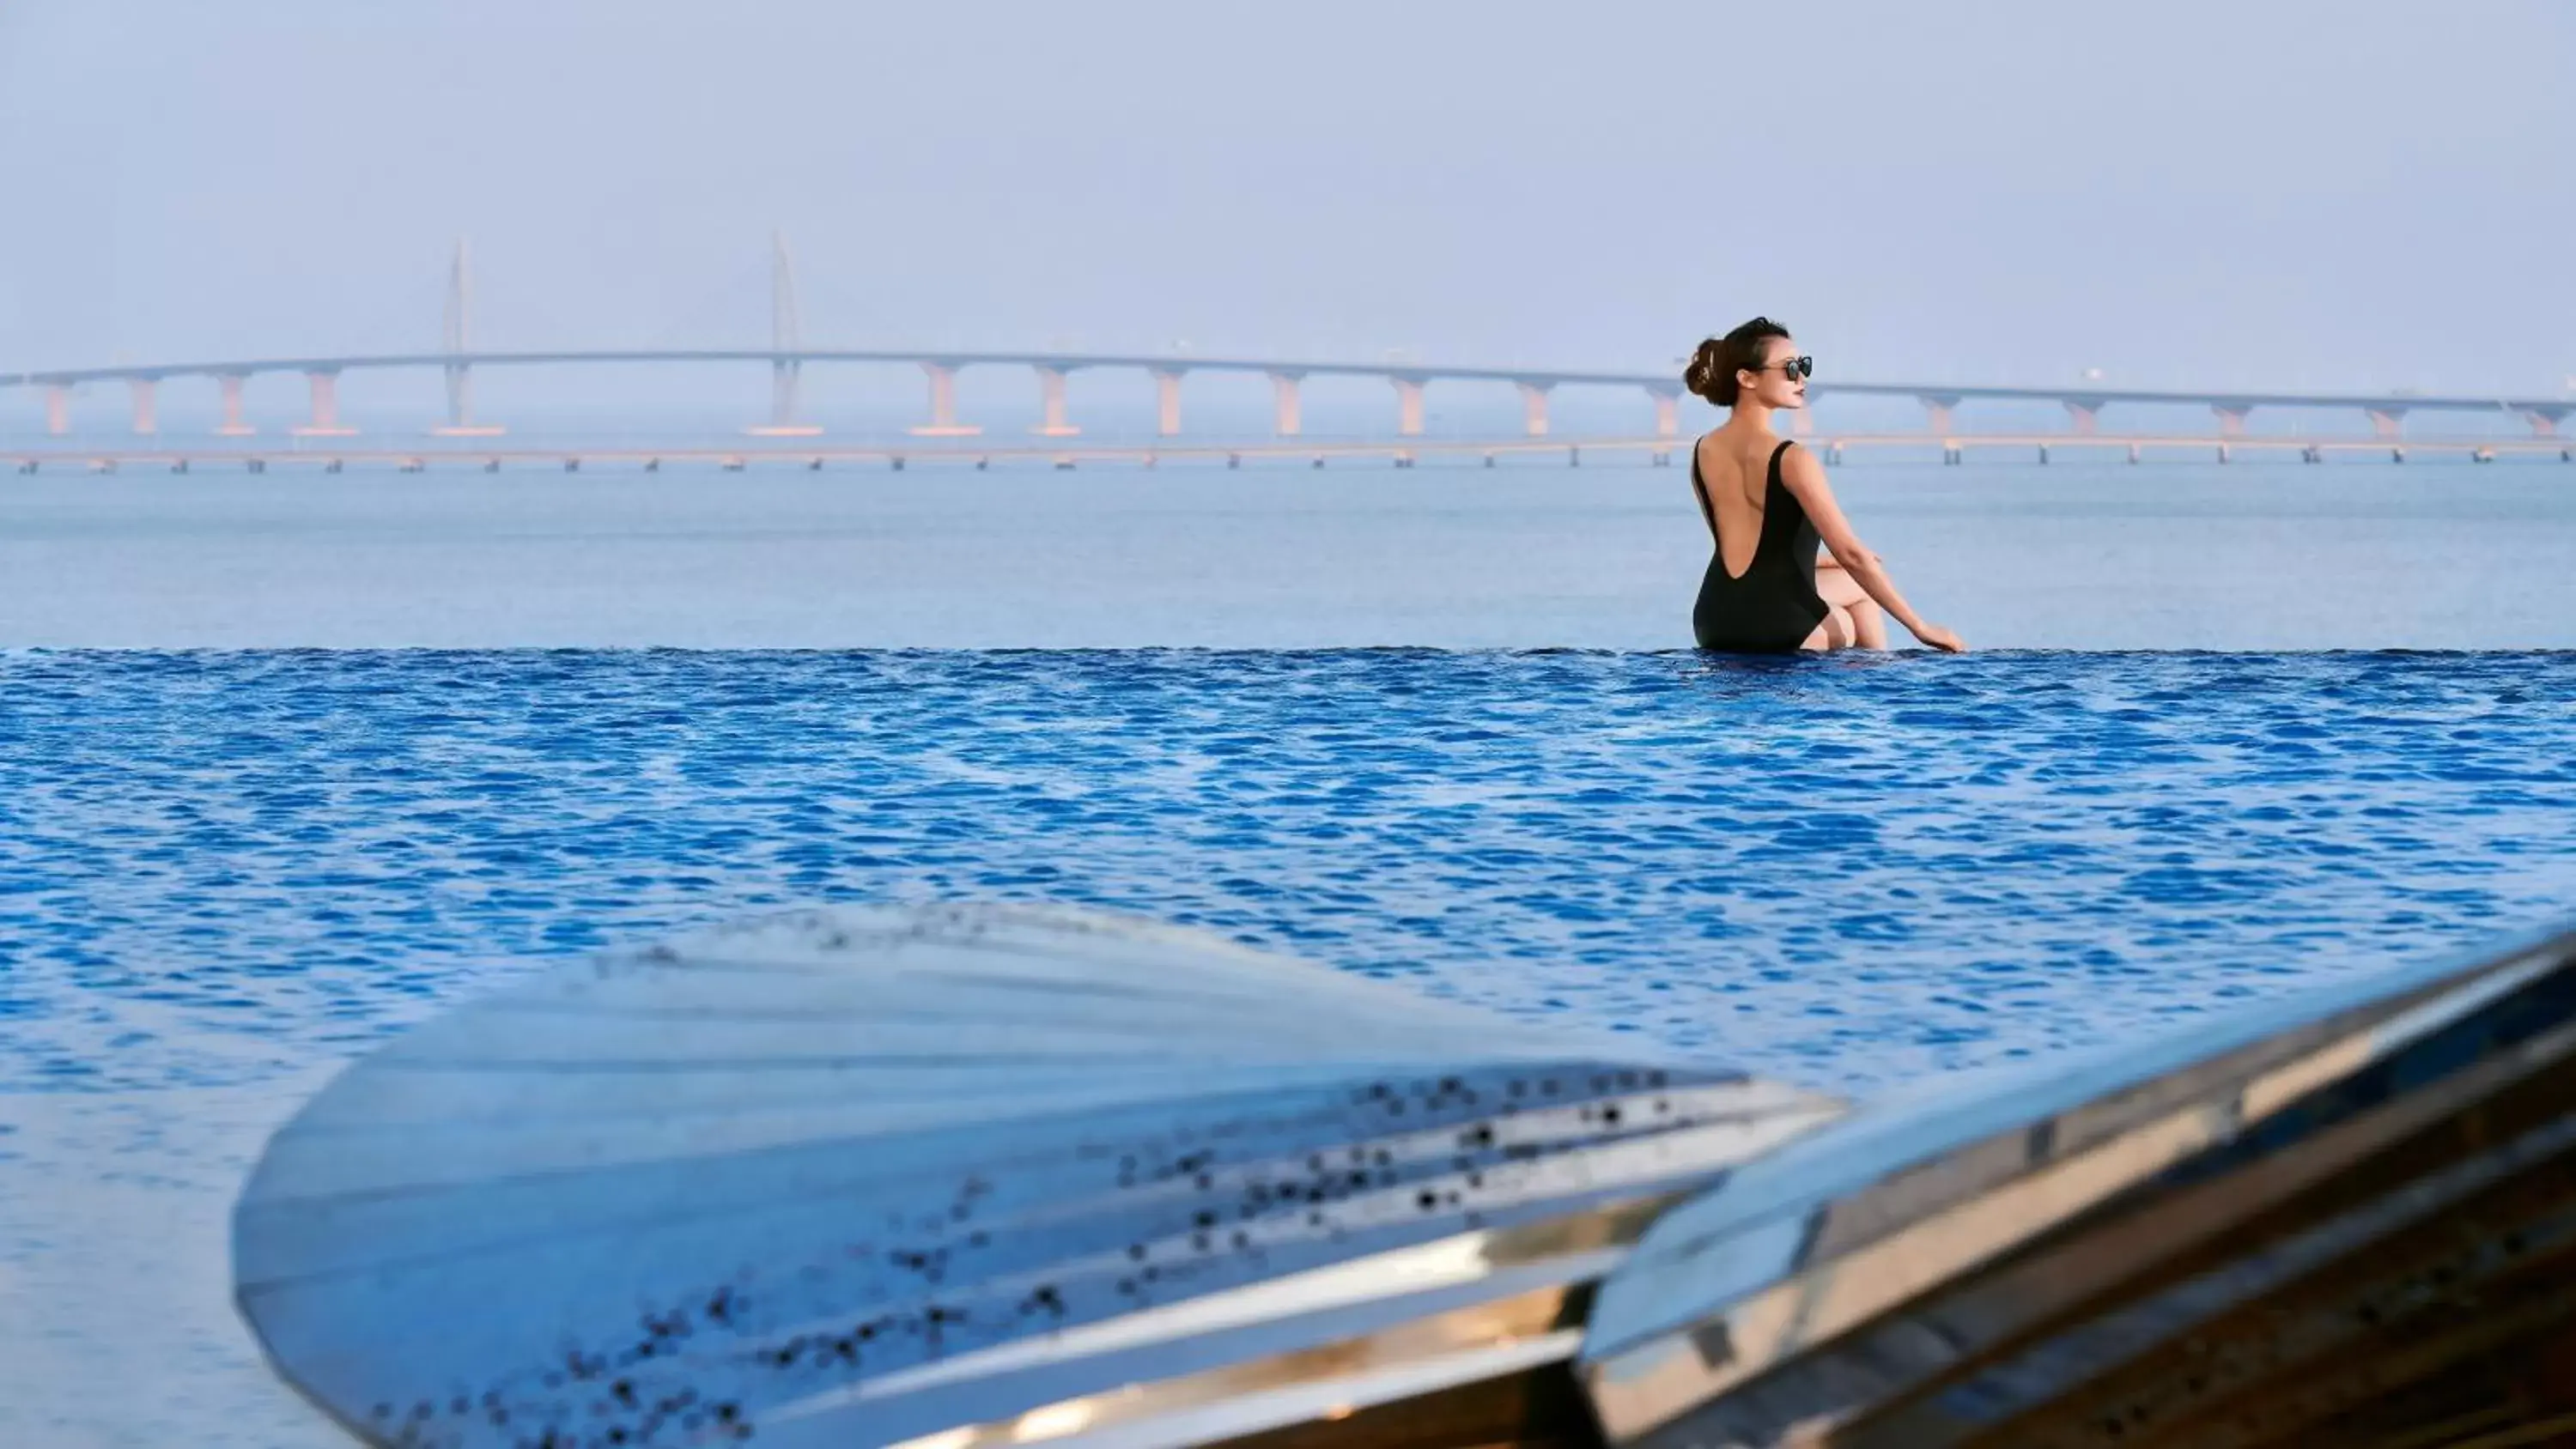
(787, 357)
(2082, 402)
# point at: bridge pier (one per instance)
(1940, 409)
(2086, 414)
(234, 424)
(1167, 402)
(1668, 411)
(460, 407)
(943, 404)
(1408, 407)
(1287, 418)
(324, 384)
(146, 418)
(1051, 401)
(785, 379)
(58, 409)
(2231, 420)
(2387, 424)
(1534, 407)
(2133, 452)
(2544, 421)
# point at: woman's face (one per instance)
(1775, 386)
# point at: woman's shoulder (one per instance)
(1753, 444)
(1728, 435)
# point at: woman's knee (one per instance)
(1835, 632)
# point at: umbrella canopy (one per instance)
(958, 1176)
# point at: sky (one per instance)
(2182, 194)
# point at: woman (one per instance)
(1767, 504)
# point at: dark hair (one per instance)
(1712, 369)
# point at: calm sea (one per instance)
(2251, 556)
(225, 870)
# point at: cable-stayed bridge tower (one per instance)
(456, 343)
(785, 346)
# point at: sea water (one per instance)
(2073, 555)
(224, 872)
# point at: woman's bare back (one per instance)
(1735, 472)
(1768, 604)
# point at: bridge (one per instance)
(787, 360)
(814, 454)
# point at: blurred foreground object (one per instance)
(966, 1176)
(956, 1177)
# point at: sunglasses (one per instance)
(1794, 366)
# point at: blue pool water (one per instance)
(212, 865)
(222, 874)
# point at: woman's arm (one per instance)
(1804, 477)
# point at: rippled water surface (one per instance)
(215, 864)
(222, 873)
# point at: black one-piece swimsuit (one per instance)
(1773, 605)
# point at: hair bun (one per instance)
(1702, 371)
(1712, 369)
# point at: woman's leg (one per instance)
(1841, 590)
(1869, 624)
(1834, 633)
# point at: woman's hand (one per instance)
(1942, 639)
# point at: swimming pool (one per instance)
(214, 861)
(223, 873)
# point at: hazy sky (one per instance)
(2334, 194)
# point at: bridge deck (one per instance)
(1666, 383)
(819, 453)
